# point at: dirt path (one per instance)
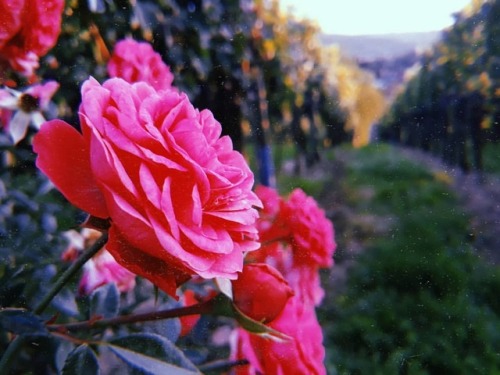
(353, 230)
(479, 195)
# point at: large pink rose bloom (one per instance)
(28, 30)
(178, 197)
(302, 355)
(137, 61)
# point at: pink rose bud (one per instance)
(261, 292)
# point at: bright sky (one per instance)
(358, 17)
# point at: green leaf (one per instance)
(224, 306)
(62, 352)
(20, 321)
(169, 328)
(152, 354)
(81, 361)
(105, 301)
(12, 282)
(65, 303)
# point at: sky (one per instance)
(362, 17)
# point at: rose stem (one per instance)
(200, 308)
(68, 274)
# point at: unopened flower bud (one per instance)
(261, 292)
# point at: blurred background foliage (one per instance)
(450, 101)
(240, 58)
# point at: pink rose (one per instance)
(304, 279)
(29, 29)
(261, 292)
(302, 355)
(312, 233)
(271, 201)
(297, 239)
(305, 282)
(178, 197)
(270, 228)
(137, 61)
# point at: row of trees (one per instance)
(260, 71)
(451, 105)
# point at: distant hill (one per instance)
(386, 46)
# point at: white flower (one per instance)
(28, 106)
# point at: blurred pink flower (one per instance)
(29, 29)
(178, 196)
(302, 355)
(20, 109)
(297, 239)
(312, 233)
(299, 222)
(267, 225)
(306, 283)
(137, 61)
(102, 269)
(271, 202)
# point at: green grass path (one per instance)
(408, 294)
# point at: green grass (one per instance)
(491, 158)
(418, 301)
(286, 183)
(311, 187)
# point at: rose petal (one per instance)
(63, 156)
(221, 243)
(159, 272)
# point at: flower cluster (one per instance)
(29, 29)
(298, 240)
(173, 197)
